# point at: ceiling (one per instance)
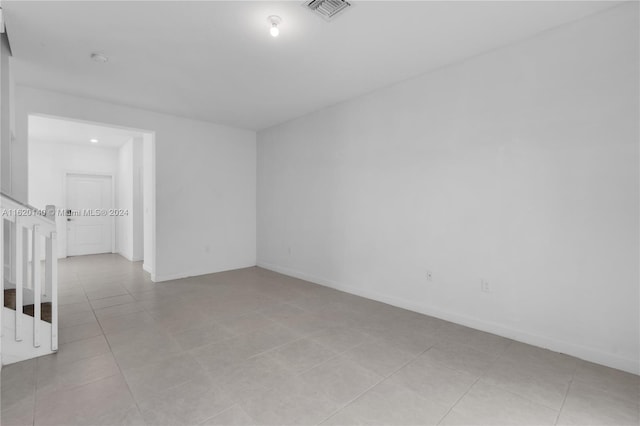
(216, 61)
(53, 130)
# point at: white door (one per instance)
(89, 230)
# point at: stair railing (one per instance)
(27, 230)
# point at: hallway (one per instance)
(254, 347)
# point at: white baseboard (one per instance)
(578, 351)
(127, 256)
(151, 272)
(198, 272)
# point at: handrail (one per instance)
(4, 195)
(9, 198)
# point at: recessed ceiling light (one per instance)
(93, 140)
(99, 57)
(275, 21)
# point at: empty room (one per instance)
(320, 212)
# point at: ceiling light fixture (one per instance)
(93, 140)
(99, 57)
(275, 21)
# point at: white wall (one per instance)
(149, 202)
(6, 126)
(205, 180)
(519, 167)
(129, 228)
(6, 122)
(48, 165)
(138, 202)
(124, 200)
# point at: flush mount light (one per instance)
(275, 21)
(93, 140)
(99, 57)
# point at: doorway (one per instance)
(101, 180)
(89, 224)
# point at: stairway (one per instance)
(29, 275)
(10, 302)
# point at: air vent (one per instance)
(328, 9)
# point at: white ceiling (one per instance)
(53, 130)
(216, 60)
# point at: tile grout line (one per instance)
(35, 392)
(566, 394)
(104, 335)
(235, 404)
(564, 400)
(384, 378)
(499, 357)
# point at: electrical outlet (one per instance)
(485, 286)
(429, 276)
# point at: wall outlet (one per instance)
(485, 286)
(429, 276)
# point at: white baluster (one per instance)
(2, 254)
(25, 256)
(35, 276)
(52, 282)
(19, 276)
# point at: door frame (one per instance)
(66, 175)
(69, 112)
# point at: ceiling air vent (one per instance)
(328, 9)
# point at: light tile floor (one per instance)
(255, 347)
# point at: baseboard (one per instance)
(578, 351)
(196, 273)
(125, 255)
(151, 272)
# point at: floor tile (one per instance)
(196, 337)
(588, 405)
(544, 388)
(116, 290)
(118, 310)
(540, 361)
(104, 402)
(389, 404)
(340, 339)
(18, 384)
(433, 381)
(189, 403)
(252, 376)
(381, 357)
(79, 332)
(618, 384)
(153, 378)
(479, 340)
(255, 347)
(461, 357)
(234, 416)
(77, 350)
(301, 355)
(293, 402)
(53, 377)
(341, 379)
(20, 414)
(112, 301)
(76, 318)
(247, 323)
(489, 405)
